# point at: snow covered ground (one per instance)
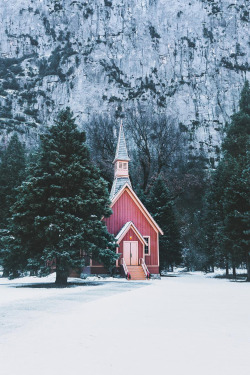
(188, 324)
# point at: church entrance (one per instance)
(130, 253)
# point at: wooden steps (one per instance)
(136, 272)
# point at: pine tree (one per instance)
(231, 203)
(12, 171)
(237, 192)
(212, 220)
(161, 206)
(59, 209)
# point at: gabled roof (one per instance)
(126, 228)
(121, 148)
(118, 183)
(139, 204)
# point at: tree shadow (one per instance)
(57, 286)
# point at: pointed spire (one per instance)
(121, 175)
(121, 149)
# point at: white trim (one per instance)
(158, 249)
(149, 246)
(123, 232)
(139, 204)
(116, 262)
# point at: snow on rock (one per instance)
(188, 58)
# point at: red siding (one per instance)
(124, 210)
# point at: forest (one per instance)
(203, 208)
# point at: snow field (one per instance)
(179, 325)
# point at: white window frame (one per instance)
(124, 166)
(149, 247)
(120, 165)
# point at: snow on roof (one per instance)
(124, 230)
(118, 183)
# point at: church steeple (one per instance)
(121, 156)
(121, 175)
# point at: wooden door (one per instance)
(130, 253)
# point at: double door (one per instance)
(130, 253)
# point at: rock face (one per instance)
(185, 57)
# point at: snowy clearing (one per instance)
(188, 324)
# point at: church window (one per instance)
(124, 165)
(147, 247)
(120, 165)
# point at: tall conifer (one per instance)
(12, 170)
(161, 206)
(59, 209)
(231, 193)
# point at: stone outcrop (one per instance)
(185, 57)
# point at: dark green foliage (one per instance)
(245, 99)
(229, 196)
(11, 84)
(191, 43)
(108, 3)
(57, 6)
(153, 33)
(20, 118)
(8, 65)
(3, 92)
(58, 211)
(245, 15)
(6, 110)
(114, 73)
(31, 112)
(52, 66)
(12, 168)
(49, 30)
(88, 11)
(229, 65)
(208, 34)
(161, 206)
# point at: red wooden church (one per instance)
(135, 230)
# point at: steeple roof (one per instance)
(118, 183)
(121, 149)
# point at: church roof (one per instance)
(139, 204)
(118, 183)
(121, 149)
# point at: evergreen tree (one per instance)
(161, 206)
(231, 193)
(59, 209)
(212, 220)
(12, 170)
(237, 192)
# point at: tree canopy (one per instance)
(60, 205)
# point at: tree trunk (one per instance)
(5, 273)
(248, 266)
(234, 272)
(61, 277)
(227, 269)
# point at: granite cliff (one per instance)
(187, 58)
